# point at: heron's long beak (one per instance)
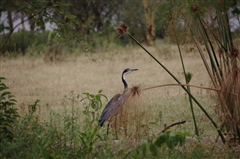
(134, 69)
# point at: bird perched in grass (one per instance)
(114, 106)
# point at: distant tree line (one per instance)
(81, 18)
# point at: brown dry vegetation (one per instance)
(30, 79)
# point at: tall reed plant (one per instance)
(206, 24)
(123, 29)
(223, 65)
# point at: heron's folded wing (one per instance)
(111, 109)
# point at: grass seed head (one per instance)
(122, 29)
(135, 91)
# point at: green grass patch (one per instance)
(72, 132)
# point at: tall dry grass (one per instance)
(31, 79)
(133, 119)
(145, 114)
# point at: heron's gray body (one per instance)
(116, 103)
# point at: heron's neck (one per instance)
(124, 81)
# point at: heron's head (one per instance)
(129, 70)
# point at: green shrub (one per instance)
(70, 133)
(8, 114)
(56, 47)
(167, 140)
(20, 41)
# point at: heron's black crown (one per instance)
(128, 70)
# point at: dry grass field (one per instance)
(30, 79)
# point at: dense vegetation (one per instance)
(87, 26)
(79, 20)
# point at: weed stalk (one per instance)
(188, 88)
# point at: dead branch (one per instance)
(173, 124)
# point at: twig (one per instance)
(168, 127)
(201, 87)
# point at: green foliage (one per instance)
(153, 149)
(88, 139)
(170, 139)
(92, 104)
(165, 140)
(8, 112)
(53, 47)
(46, 43)
(88, 21)
(37, 13)
(68, 134)
(103, 41)
(188, 77)
(72, 131)
(33, 107)
(22, 40)
(18, 42)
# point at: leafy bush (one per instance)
(25, 42)
(54, 47)
(71, 133)
(165, 140)
(20, 41)
(8, 114)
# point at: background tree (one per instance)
(36, 13)
(94, 15)
(132, 14)
(147, 19)
(150, 15)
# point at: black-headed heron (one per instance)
(114, 106)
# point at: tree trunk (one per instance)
(150, 23)
(10, 21)
(42, 21)
(32, 24)
(22, 21)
